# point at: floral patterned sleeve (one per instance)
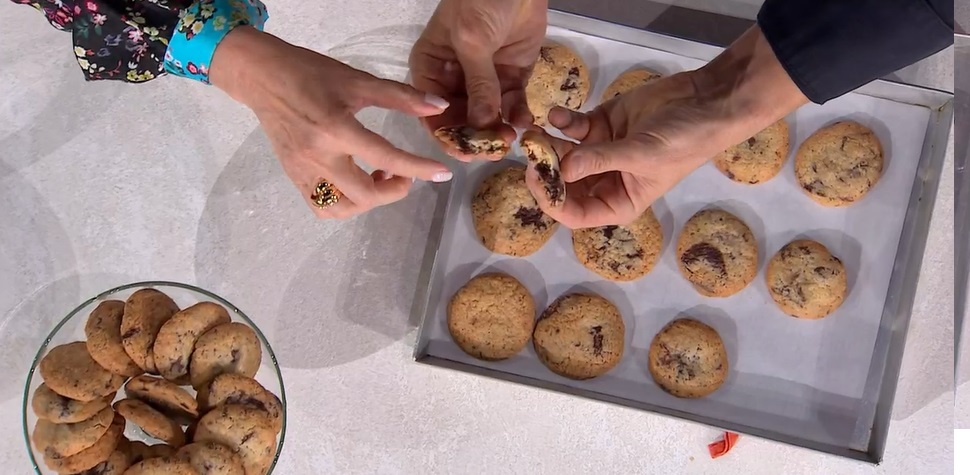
(129, 40)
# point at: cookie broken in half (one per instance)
(545, 161)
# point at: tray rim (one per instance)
(890, 342)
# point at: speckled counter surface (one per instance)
(102, 184)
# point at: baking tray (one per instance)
(845, 409)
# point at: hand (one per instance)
(306, 104)
(479, 55)
(637, 146)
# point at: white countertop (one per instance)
(103, 184)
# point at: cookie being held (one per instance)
(146, 311)
(228, 348)
(717, 253)
(103, 333)
(687, 359)
(491, 317)
(543, 171)
(806, 280)
(580, 336)
(757, 159)
(839, 164)
(468, 140)
(177, 337)
(629, 81)
(560, 78)
(70, 371)
(621, 253)
(507, 217)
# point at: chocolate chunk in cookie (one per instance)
(61, 410)
(806, 280)
(560, 78)
(507, 217)
(580, 336)
(471, 141)
(717, 253)
(544, 168)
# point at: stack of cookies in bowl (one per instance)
(182, 380)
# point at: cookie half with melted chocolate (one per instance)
(544, 162)
(471, 141)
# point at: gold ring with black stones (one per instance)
(325, 195)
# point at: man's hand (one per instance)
(479, 55)
(306, 104)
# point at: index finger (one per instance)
(382, 155)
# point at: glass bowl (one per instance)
(71, 328)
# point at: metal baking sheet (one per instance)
(827, 385)
(961, 144)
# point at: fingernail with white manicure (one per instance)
(441, 177)
(436, 101)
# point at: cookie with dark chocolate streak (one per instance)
(471, 141)
(687, 359)
(507, 217)
(717, 253)
(621, 253)
(560, 78)
(806, 280)
(580, 336)
(544, 163)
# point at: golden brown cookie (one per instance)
(212, 458)
(629, 81)
(491, 317)
(839, 164)
(138, 451)
(718, 254)
(116, 463)
(229, 388)
(70, 371)
(103, 332)
(64, 440)
(146, 311)
(228, 348)
(621, 253)
(177, 337)
(560, 78)
(167, 465)
(165, 397)
(687, 359)
(245, 430)
(471, 141)
(543, 168)
(153, 422)
(757, 159)
(806, 280)
(580, 336)
(61, 410)
(100, 451)
(507, 217)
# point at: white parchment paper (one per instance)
(791, 376)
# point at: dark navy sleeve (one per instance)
(830, 47)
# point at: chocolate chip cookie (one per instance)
(806, 280)
(543, 169)
(64, 440)
(717, 253)
(228, 348)
(70, 371)
(629, 81)
(100, 451)
(212, 458)
(146, 311)
(61, 410)
(165, 397)
(168, 465)
(580, 336)
(229, 388)
(560, 78)
(757, 159)
(103, 333)
(245, 430)
(471, 141)
(153, 422)
(839, 164)
(687, 359)
(507, 217)
(621, 253)
(491, 317)
(139, 451)
(177, 338)
(116, 463)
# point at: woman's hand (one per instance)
(479, 55)
(306, 104)
(637, 146)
